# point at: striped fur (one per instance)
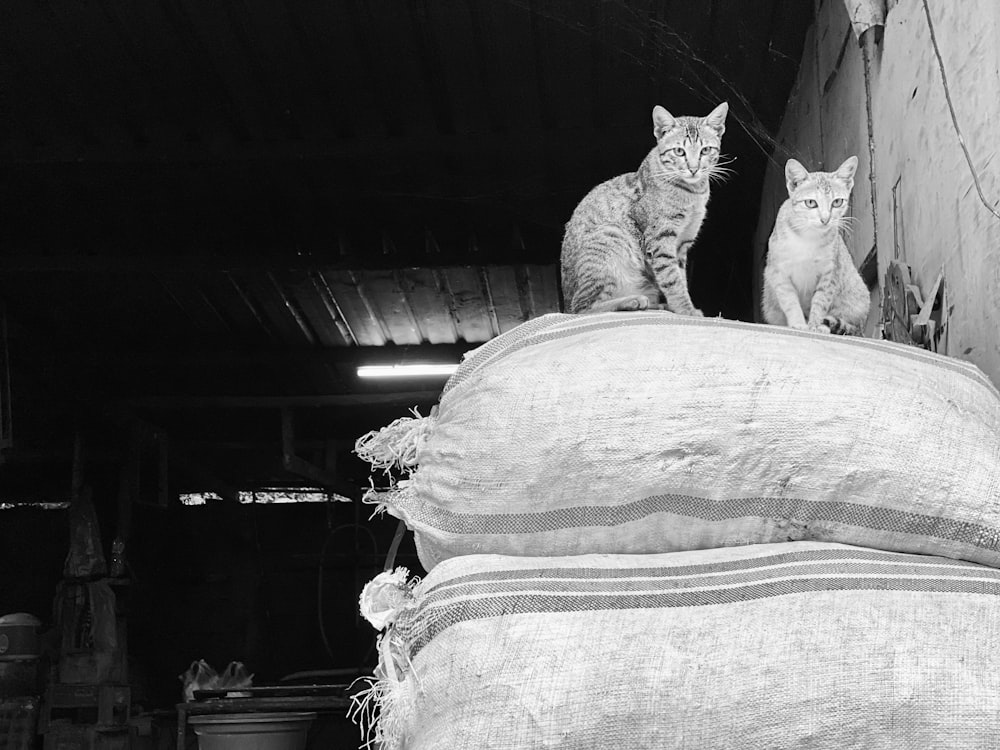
(810, 281)
(626, 244)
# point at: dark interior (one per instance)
(212, 212)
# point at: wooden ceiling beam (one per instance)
(337, 355)
(401, 398)
(483, 45)
(15, 262)
(432, 68)
(360, 149)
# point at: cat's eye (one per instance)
(838, 202)
(810, 203)
(708, 149)
(679, 151)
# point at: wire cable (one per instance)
(954, 117)
(319, 578)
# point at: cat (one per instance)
(626, 245)
(810, 281)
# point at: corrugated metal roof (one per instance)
(233, 202)
(289, 308)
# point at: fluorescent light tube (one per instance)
(405, 371)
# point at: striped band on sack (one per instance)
(835, 645)
(563, 590)
(805, 512)
(650, 432)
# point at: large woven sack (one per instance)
(651, 432)
(794, 645)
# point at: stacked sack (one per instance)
(663, 531)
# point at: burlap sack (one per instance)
(795, 645)
(650, 432)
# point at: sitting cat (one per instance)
(810, 281)
(626, 244)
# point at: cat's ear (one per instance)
(662, 121)
(795, 175)
(716, 119)
(846, 170)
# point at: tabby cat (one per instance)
(810, 281)
(626, 244)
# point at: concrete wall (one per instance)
(927, 211)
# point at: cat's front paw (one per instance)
(819, 327)
(799, 326)
(632, 303)
(841, 327)
(694, 312)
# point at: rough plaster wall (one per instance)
(945, 224)
(941, 222)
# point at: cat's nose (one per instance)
(824, 216)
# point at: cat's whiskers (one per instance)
(719, 173)
(673, 172)
(845, 224)
(672, 175)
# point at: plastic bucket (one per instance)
(252, 731)
(19, 635)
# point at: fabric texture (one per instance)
(652, 432)
(794, 645)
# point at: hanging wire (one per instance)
(319, 581)
(951, 109)
(262, 572)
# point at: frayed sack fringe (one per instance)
(651, 432)
(778, 646)
(397, 445)
(381, 709)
